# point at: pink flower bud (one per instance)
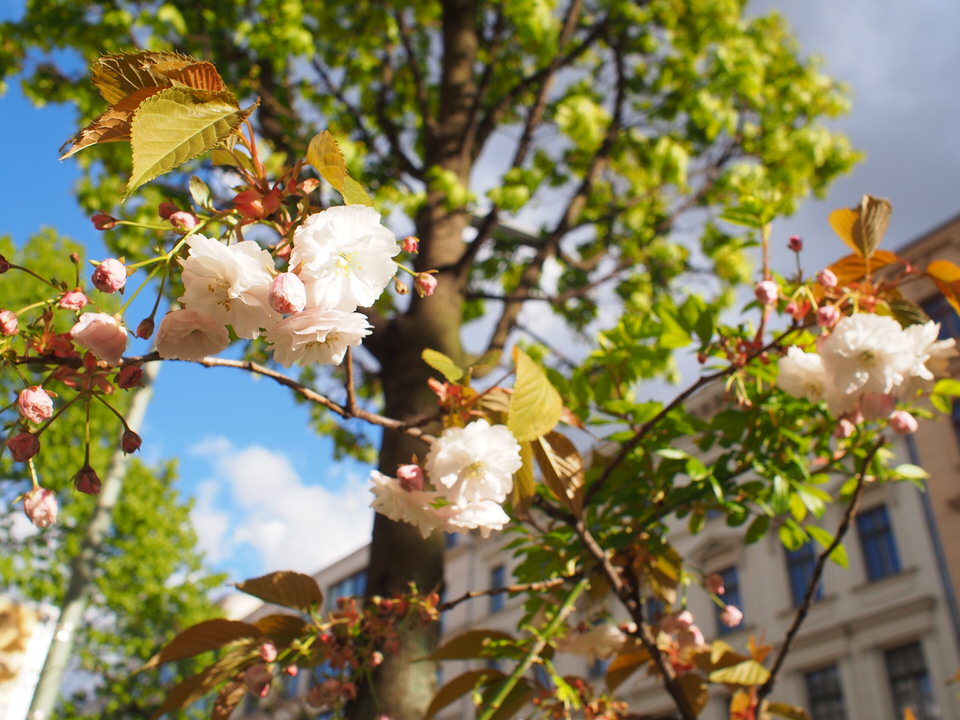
(102, 221)
(34, 404)
(767, 292)
(795, 243)
(145, 328)
(183, 220)
(23, 446)
(731, 616)
(9, 325)
(376, 658)
(288, 293)
(40, 506)
(110, 276)
(876, 406)
(425, 284)
(684, 619)
(903, 423)
(410, 477)
(844, 429)
(291, 670)
(410, 244)
(73, 300)
(828, 316)
(268, 652)
(827, 278)
(130, 376)
(257, 679)
(714, 584)
(87, 481)
(130, 442)
(101, 334)
(166, 209)
(691, 637)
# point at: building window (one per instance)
(825, 694)
(498, 578)
(800, 563)
(352, 586)
(910, 682)
(450, 540)
(731, 596)
(876, 540)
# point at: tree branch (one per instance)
(804, 608)
(526, 587)
(413, 65)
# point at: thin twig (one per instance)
(351, 390)
(525, 587)
(804, 608)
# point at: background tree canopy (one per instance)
(606, 126)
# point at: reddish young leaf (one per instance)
(113, 125)
(282, 629)
(196, 686)
(852, 268)
(285, 587)
(207, 635)
(199, 75)
(946, 275)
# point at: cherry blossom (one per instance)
(190, 335)
(409, 506)
(474, 463)
(101, 334)
(316, 336)
(40, 506)
(866, 353)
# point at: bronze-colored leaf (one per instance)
(204, 636)
(854, 268)
(524, 484)
(719, 656)
(196, 686)
(461, 685)
(906, 312)
(518, 696)
(561, 466)
(872, 222)
(227, 700)
(112, 125)
(282, 629)
(623, 666)
(285, 587)
(199, 75)
(790, 712)
(121, 74)
(470, 644)
(694, 690)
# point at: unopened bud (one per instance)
(401, 287)
(731, 616)
(845, 428)
(684, 619)
(130, 442)
(130, 376)
(23, 446)
(166, 209)
(827, 278)
(425, 284)
(411, 244)
(268, 652)
(9, 325)
(4, 264)
(34, 404)
(288, 293)
(795, 243)
(903, 423)
(767, 292)
(376, 658)
(828, 316)
(714, 583)
(40, 506)
(291, 670)
(257, 679)
(145, 328)
(102, 221)
(183, 220)
(254, 205)
(110, 276)
(691, 637)
(410, 477)
(73, 300)
(87, 481)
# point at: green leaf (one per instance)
(442, 364)
(461, 685)
(535, 406)
(748, 672)
(354, 193)
(204, 636)
(790, 712)
(824, 538)
(176, 125)
(911, 472)
(324, 154)
(758, 528)
(286, 588)
(200, 192)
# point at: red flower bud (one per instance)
(102, 221)
(110, 276)
(166, 209)
(4, 264)
(425, 284)
(795, 243)
(87, 481)
(145, 328)
(130, 376)
(23, 446)
(40, 506)
(130, 442)
(291, 670)
(410, 244)
(254, 205)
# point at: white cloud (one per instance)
(288, 523)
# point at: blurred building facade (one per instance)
(883, 634)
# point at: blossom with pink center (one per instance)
(110, 276)
(288, 294)
(190, 335)
(35, 404)
(410, 506)
(731, 616)
(767, 292)
(40, 506)
(230, 283)
(827, 279)
(410, 477)
(316, 336)
(9, 325)
(474, 463)
(23, 446)
(344, 256)
(866, 353)
(101, 334)
(73, 300)
(828, 316)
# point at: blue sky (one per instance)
(259, 475)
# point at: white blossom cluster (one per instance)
(342, 259)
(866, 364)
(471, 469)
